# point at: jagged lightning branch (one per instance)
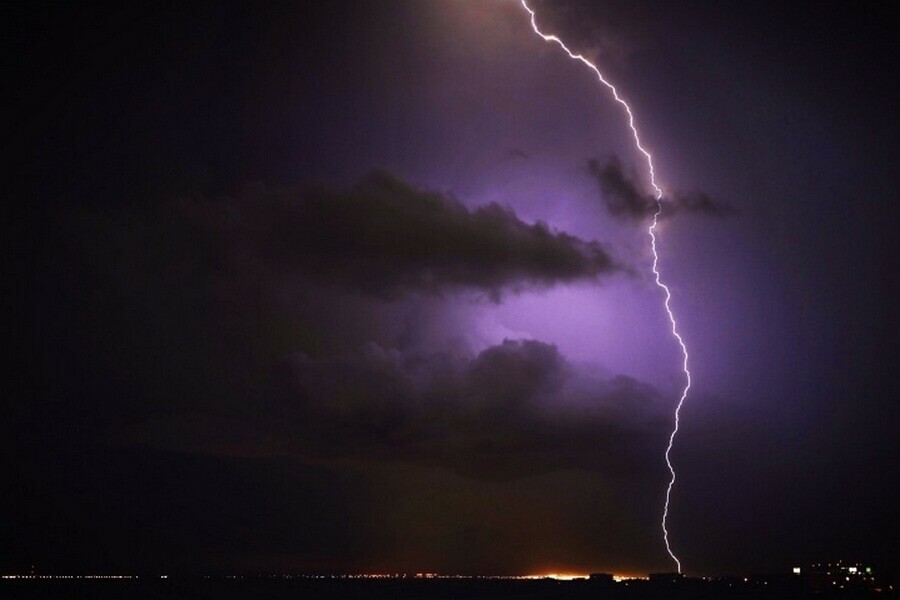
(651, 231)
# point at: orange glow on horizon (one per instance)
(559, 576)
(571, 576)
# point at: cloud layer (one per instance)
(514, 409)
(384, 237)
(284, 321)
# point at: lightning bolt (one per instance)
(651, 232)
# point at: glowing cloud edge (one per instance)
(651, 231)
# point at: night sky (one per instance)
(365, 287)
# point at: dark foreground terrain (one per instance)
(272, 589)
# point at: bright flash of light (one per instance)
(558, 576)
(651, 231)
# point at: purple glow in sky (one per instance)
(367, 286)
(533, 159)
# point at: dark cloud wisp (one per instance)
(619, 193)
(623, 198)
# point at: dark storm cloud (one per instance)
(212, 292)
(387, 238)
(618, 192)
(622, 196)
(514, 409)
(207, 321)
(696, 203)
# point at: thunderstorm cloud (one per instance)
(513, 410)
(305, 300)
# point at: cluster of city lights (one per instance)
(816, 577)
(69, 576)
(556, 576)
